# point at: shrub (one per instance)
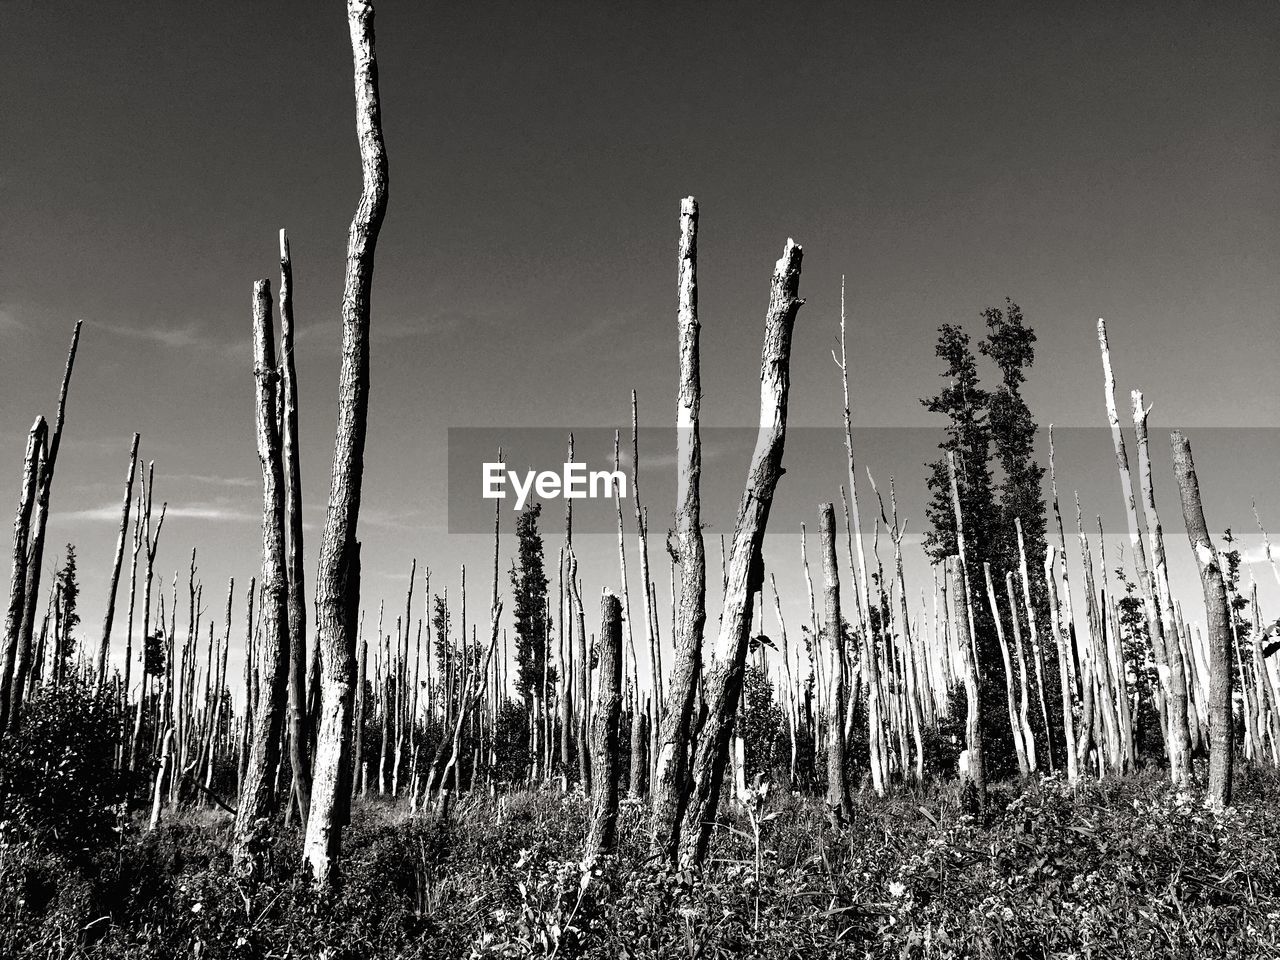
(58, 779)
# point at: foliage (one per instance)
(1118, 868)
(532, 620)
(67, 588)
(762, 726)
(58, 780)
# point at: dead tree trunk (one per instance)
(1064, 676)
(862, 585)
(723, 682)
(1217, 621)
(1165, 645)
(1015, 721)
(115, 568)
(583, 678)
(1028, 736)
(150, 544)
(972, 767)
(977, 771)
(1037, 659)
(605, 733)
(257, 795)
(299, 728)
(650, 611)
(839, 804)
(335, 623)
(18, 580)
(35, 551)
(671, 766)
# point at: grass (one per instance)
(1121, 868)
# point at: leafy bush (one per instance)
(58, 779)
(1118, 868)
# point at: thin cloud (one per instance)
(9, 323)
(215, 481)
(189, 336)
(214, 512)
(327, 334)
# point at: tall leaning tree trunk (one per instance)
(109, 618)
(257, 793)
(606, 727)
(18, 579)
(722, 683)
(839, 804)
(1218, 622)
(1163, 645)
(334, 622)
(670, 778)
(299, 728)
(35, 548)
(1167, 650)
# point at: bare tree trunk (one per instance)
(583, 678)
(257, 796)
(972, 768)
(671, 766)
(123, 755)
(977, 772)
(1217, 620)
(166, 763)
(793, 716)
(18, 579)
(723, 682)
(35, 546)
(115, 569)
(1165, 645)
(150, 545)
(1015, 723)
(335, 622)
(1064, 677)
(361, 784)
(642, 532)
(605, 733)
(1036, 657)
(839, 804)
(1028, 736)
(862, 585)
(1162, 645)
(299, 730)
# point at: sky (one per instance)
(1085, 159)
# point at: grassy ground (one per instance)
(1117, 869)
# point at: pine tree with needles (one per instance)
(529, 587)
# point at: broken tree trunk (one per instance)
(972, 768)
(35, 544)
(334, 622)
(669, 787)
(257, 795)
(114, 585)
(18, 579)
(1015, 721)
(1064, 677)
(299, 728)
(605, 733)
(976, 773)
(1217, 620)
(839, 804)
(722, 683)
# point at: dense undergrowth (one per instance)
(1120, 868)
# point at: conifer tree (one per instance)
(529, 587)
